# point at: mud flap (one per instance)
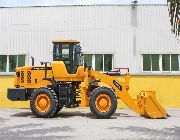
(149, 106)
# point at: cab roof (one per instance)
(65, 41)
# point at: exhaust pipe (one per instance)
(32, 60)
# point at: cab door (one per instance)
(64, 52)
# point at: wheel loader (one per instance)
(66, 82)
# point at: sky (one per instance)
(9, 3)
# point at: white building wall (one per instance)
(121, 30)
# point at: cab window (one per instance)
(65, 50)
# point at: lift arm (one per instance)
(146, 104)
(121, 88)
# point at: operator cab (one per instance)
(68, 51)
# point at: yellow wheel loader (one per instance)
(65, 82)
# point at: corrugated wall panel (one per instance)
(122, 30)
(154, 34)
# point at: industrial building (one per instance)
(137, 37)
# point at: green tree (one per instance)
(174, 13)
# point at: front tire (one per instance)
(44, 103)
(103, 102)
(57, 110)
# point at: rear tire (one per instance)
(44, 103)
(103, 102)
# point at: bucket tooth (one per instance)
(149, 106)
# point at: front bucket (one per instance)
(149, 106)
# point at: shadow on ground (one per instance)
(66, 114)
(166, 133)
(2, 120)
(33, 131)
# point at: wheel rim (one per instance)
(42, 103)
(103, 102)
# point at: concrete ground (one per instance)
(79, 124)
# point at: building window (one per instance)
(21, 60)
(150, 62)
(107, 62)
(88, 59)
(170, 62)
(160, 62)
(8, 63)
(99, 62)
(174, 62)
(3, 63)
(12, 63)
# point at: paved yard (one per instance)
(79, 124)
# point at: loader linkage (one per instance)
(146, 104)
